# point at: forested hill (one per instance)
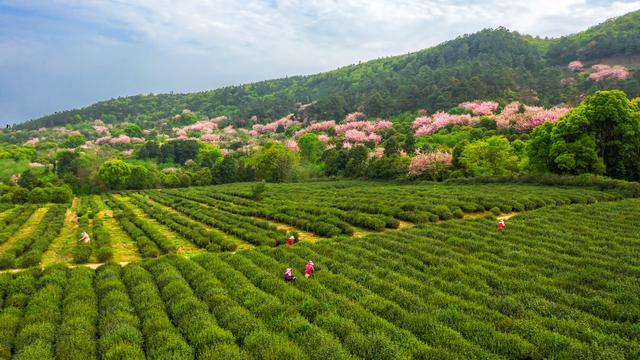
(494, 64)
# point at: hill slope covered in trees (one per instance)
(492, 64)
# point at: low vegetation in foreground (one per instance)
(559, 282)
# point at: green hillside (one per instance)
(492, 64)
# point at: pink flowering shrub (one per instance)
(347, 145)
(127, 152)
(377, 153)
(382, 124)
(285, 122)
(291, 145)
(432, 165)
(32, 141)
(103, 140)
(355, 116)
(480, 107)
(101, 129)
(122, 139)
(210, 138)
(430, 124)
(576, 66)
(35, 164)
(374, 137)
(316, 127)
(523, 117)
(229, 130)
(601, 72)
(355, 136)
(323, 138)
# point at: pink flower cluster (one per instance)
(122, 139)
(377, 153)
(430, 124)
(252, 133)
(291, 145)
(127, 152)
(35, 164)
(229, 130)
(204, 126)
(32, 141)
(601, 72)
(531, 117)
(210, 138)
(480, 107)
(367, 126)
(423, 162)
(316, 127)
(286, 122)
(358, 137)
(324, 138)
(355, 116)
(576, 66)
(101, 129)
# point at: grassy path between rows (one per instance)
(124, 248)
(183, 246)
(241, 243)
(26, 229)
(61, 249)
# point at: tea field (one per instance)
(560, 282)
(132, 225)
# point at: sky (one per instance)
(62, 54)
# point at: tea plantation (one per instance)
(402, 272)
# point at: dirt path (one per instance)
(183, 246)
(26, 229)
(124, 248)
(303, 235)
(61, 249)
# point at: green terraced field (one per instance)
(561, 282)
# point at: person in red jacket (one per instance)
(291, 240)
(501, 224)
(308, 271)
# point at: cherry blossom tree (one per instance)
(576, 65)
(480, 107)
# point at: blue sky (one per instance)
(61, 54)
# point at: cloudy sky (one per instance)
(61, 54)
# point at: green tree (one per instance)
(139, 178)
(601, 135)
(74, 141)
(493, 156)
(149, 150)
(275, 163)
(357, 161)
(133, 130)
(226, 171)
(310, 147)
(209, 155)
(114, 173)
(388, 167)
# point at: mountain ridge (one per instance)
(495, 64)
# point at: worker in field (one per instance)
(288, 275)
(291, 240)
(308, 270)
(501, 224)
(84, 237)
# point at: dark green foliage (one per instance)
(600, 136)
